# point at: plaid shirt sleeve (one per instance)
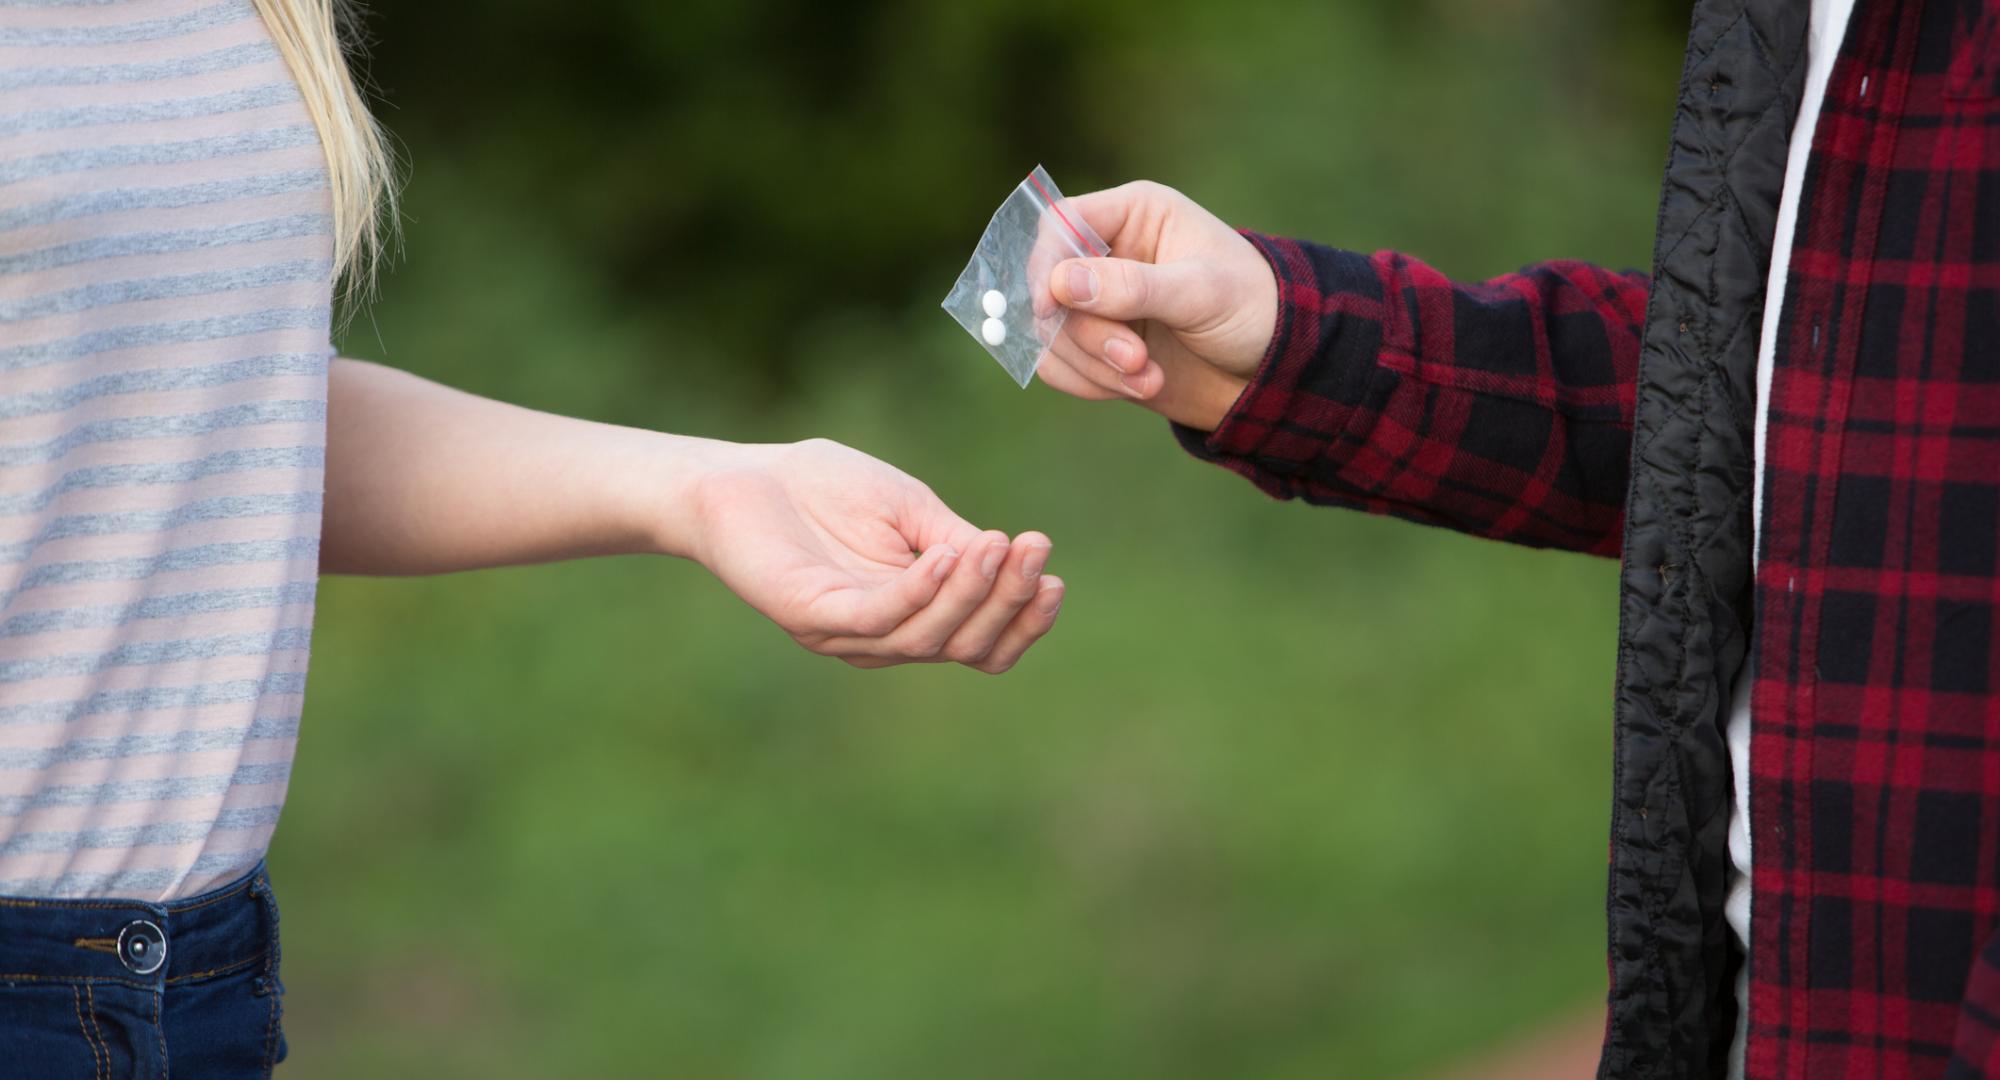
(1501, 408)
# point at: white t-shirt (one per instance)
(1828, 25)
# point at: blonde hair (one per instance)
(361, 168)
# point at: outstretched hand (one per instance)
(859, 561)
(1177, 320)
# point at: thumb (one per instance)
(925, 521)
(1185, 294)
(873, 612)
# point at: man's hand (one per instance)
(1178, 320)
(857, 560)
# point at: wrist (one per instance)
(657, 506)
(700, 476)
(1220, 398)
(1203, 400)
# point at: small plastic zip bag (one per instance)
(1002, 298)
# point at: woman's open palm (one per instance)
(856, 559)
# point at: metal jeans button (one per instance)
(142, 947)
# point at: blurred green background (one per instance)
(1288, 793)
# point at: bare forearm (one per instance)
(850, 556)
(423, 479)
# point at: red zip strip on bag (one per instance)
(1081, 240)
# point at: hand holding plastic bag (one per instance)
(1002, 298)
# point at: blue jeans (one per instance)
(118, 989)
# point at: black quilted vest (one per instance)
(1684, 603)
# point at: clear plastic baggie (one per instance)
(1002, 297)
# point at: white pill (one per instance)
(994, 331)
(995, 302)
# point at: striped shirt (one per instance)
(165, 295)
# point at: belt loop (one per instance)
(260, 887)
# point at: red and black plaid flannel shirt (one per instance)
(1505, 409)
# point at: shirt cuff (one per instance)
(1309, 383)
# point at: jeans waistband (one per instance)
(133, 941)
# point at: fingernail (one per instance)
(945, 564)
(1051, 601)
(1082, 284)
(991, 564)
(1038, 557)
(1119, 352)
(1130, 390)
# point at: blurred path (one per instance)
(1565, 1050)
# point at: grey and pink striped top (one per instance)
(165, 294)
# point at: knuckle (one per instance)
(1136, 287)
(1016, 590)
(926, 648)
(969, 654)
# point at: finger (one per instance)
(925, 522)
(1109, 211)
(1185, 295)
(1106, 213)
(1123, 362)
(922, 636)
(1035, 619)
(871, 613)
(1013, 587)
(1091, 369)
(868, 663)
(1109, 340)
(1051, 247)
(1061, 375)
